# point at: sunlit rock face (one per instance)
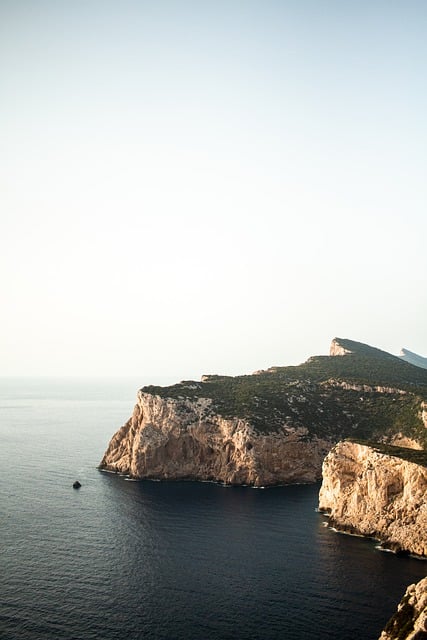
(337, 349)
(379, 492)
(410, 620)
(172, 439)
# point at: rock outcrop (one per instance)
(172, 439)
(337, 349)
(410, 620)
(378, 491)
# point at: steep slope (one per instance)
(379, 491)
(274, 426)
(177, 438)
(345, 347)
(410, 620)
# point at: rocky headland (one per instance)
(274, 426)
(378, 491)
(277, 425)
(182, 438)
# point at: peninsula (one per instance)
(274, 426)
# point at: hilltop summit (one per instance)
(344, 347)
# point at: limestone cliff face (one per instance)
(172, 439)
(410, 620)
(377, 494)
(337, 349)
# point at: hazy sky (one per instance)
(192, 187)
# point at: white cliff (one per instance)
(172, 439)
(337, 349)
(377, 494)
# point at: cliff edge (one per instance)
(410, 620)
(179, 438)
(378, 491)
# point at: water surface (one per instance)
(176, 561)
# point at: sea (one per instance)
(120, 559)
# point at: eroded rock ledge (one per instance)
(173, 439)
(377, 491)
(410, 620)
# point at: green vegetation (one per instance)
(366, 394)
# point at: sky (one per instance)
(192, 187)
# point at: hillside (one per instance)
(366, 393)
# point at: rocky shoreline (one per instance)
(380, 492)
(277, 426)
(179, 439)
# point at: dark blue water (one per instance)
(121, 559)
